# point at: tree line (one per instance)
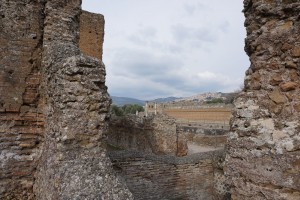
(125, 109)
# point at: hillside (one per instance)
(227, 97)
(120, 101)
(164, 100)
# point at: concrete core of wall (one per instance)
(263, 159)
(55, 107)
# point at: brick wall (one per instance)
(91, 34)
(21, 118)
(208, 115)
(153, 135)
(166, 177)
(162, 135)
(203, 136)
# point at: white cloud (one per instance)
(184, 33)
(183, 49)
(191, 8)
(206, 75)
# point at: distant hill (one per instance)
(208, 96)
(202, 96)
(227, 97)
(120, 101)
(164, 100)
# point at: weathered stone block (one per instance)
(277, 97)
(288, 86)
(296, 51)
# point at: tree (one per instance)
(132, 108)
(215, 100)
(115, 110)
(126, 109)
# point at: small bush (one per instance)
(215, 100)
(126, 109)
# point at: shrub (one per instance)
(126, 109)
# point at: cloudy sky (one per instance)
(163, 48)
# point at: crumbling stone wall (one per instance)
(53, 107)
(73, 163)
(201, 137)
(21, 108)
(155, 135)
(164, 135)
(263, 159)
(198, 177)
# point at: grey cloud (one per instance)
(182, 33)
(137, 40)
(203, 34)
(141, 88)
(155, 45)
(170, 78)
(192, 8)
(144, 36)
(224, 26)
(146, 76)
(148, 32)
(173, 48)
(136, 63)
(163, 88)
(189, 8)
(148, 59)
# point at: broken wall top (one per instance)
(91, 34)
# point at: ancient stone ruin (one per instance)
(155, 157)
(54, 112)
(54, 105)
(263, 157)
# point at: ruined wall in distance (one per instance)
(204, 115)
(168, 177)
(155, 135)
(203, 136)
(263, 159)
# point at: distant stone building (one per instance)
(191, 111)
